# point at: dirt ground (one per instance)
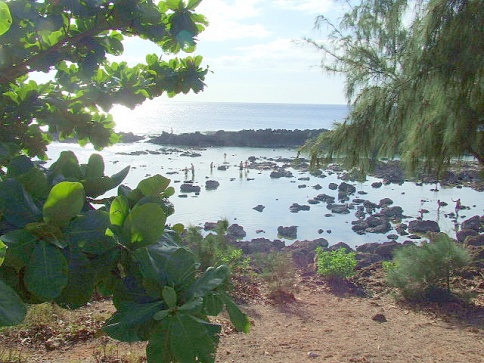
(319, 323)
(321, 326)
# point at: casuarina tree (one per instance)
(414, 81)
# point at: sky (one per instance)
(250, 47)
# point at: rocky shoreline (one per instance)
(471, 235)
(370, 216)
(267, 138)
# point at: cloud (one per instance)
(230, 20)
(279, 55)
(313, 6)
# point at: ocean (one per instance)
(240, 191)
(157, 116)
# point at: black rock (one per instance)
(259, 208)
(211, 184)
(424, 226)
(287, 232)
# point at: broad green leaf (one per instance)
(238, 318)
(20, 244)
(17, 205)
(169, 296)
(35, 182)
(151, 59)
(19, 165)
(162, 314)
(163, 265)
(95, 166)
(51, 38)
(145, 224)
(213, 304)
(158, 349)
(89, 232)
(3, 252)
(65, 201)
(153, 185)
(46, 273)
(119, 177)
(132, 321)
(169, 192)
(66, 165)
(183, 338)
(193, 307)
(192, 4)
(174, 4)
(210, 280)
(178, 228)
(151, 268)
(12, 308)
(5, 18)
(47, 232)
(119, 211)
(104, 266)
(80, 281)
(97, 186)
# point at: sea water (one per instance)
(242, 190)
(157, 116)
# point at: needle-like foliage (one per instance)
(414, 80)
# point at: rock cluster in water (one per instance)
(245, 138)
(303, 252)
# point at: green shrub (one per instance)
(277, 270)
(213, 249)
(420, 272)
(336, 264)
(388, 266)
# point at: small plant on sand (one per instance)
(337, 264)
(424, 272)
(8, 355)
(278, 272)
(109, 352)
(213, 249)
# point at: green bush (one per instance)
(213, 249)
(277, 269)
(336, 264)
(421, 271)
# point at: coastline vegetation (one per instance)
(57, 250)
(56, 247)
(413, 80)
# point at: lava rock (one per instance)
(287, 232)
(424, 226)
(211, 184)
(189, 188)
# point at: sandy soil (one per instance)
(319, 323)
(320, 326)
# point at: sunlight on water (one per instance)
(157, 116)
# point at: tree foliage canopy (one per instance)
(72, 40)
(414, 80)
(56, 245)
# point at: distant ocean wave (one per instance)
(157, 116)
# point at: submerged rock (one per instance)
(211, 184)
(259, 208)
(418, 226)
(287, 232)
(236, 231)
(189, 188)
(295, 207)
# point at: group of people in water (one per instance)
(242, 166)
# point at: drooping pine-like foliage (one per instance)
(414, 80)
